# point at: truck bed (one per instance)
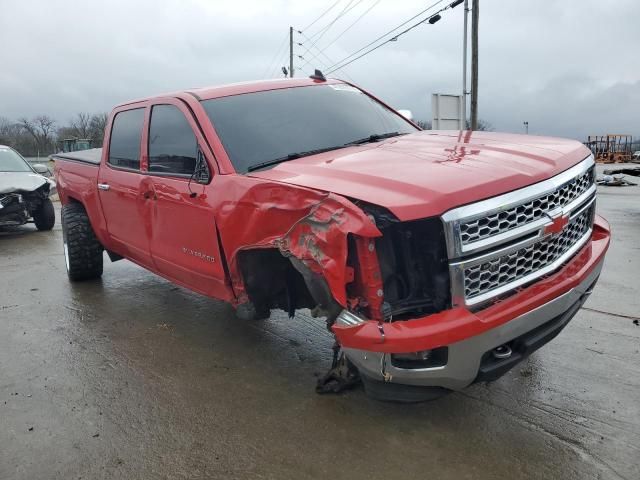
(77, 176)
(92, 155)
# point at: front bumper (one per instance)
(529, 318)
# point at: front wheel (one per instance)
(82, 250)
(45, 216)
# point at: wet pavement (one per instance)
(133, 377)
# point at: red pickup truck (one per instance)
(438, 258)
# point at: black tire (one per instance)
(82, 250)
(45, 216)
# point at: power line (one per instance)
(344, 31)
(275, 57)
(329, 59)
(314, 39)
(322, 15)
(433, 18)
(322, 31)
(319, 34)
(391, 31)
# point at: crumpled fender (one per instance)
(310, 225)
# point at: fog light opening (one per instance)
(433, 358)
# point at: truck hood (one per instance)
(429, 172)
(22, 182)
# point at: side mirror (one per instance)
(406, 114)
(41, 169)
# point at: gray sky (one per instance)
(569, 67)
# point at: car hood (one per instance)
(429, 172)
(22, 182)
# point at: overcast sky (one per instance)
(569, 67)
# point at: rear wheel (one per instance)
(82, 250)
(45, 216)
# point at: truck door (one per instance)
(184, 240)
(123, 189)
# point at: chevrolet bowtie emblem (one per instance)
(557, 224)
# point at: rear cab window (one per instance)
(173, 147)
(124, 143)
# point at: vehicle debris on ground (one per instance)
(614, 181)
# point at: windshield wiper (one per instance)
(290, 156)
(374, 138)
(293, 156)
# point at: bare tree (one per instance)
(81, 125)
(85, 126)
(97, 126)
(5, 129)
(484, 126)
(66, 132)
(4, 124)
(41, 129)
(46, 126)
(12, 134)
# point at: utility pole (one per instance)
(475, 12)
(291, 52)
(464, 67)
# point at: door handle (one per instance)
(103, 186)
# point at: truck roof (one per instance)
(206, 93)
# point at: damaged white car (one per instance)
(24, 192)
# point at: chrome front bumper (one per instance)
(466, 356)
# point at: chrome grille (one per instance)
(502, 243)
(514, 266)
(500, 222)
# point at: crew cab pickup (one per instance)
(437, 258)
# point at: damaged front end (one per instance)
(20, 203)
(17, 208)
(14, 210)
(307, 266)
(401, 274)
(344, 260)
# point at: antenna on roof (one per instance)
(318, 75)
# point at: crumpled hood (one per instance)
(427, 173)
(22, 182)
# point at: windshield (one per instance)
(260, 127)
(10, 161)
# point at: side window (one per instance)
(172, 144)
(124, 145)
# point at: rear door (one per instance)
(124, 190)
(184, 241)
